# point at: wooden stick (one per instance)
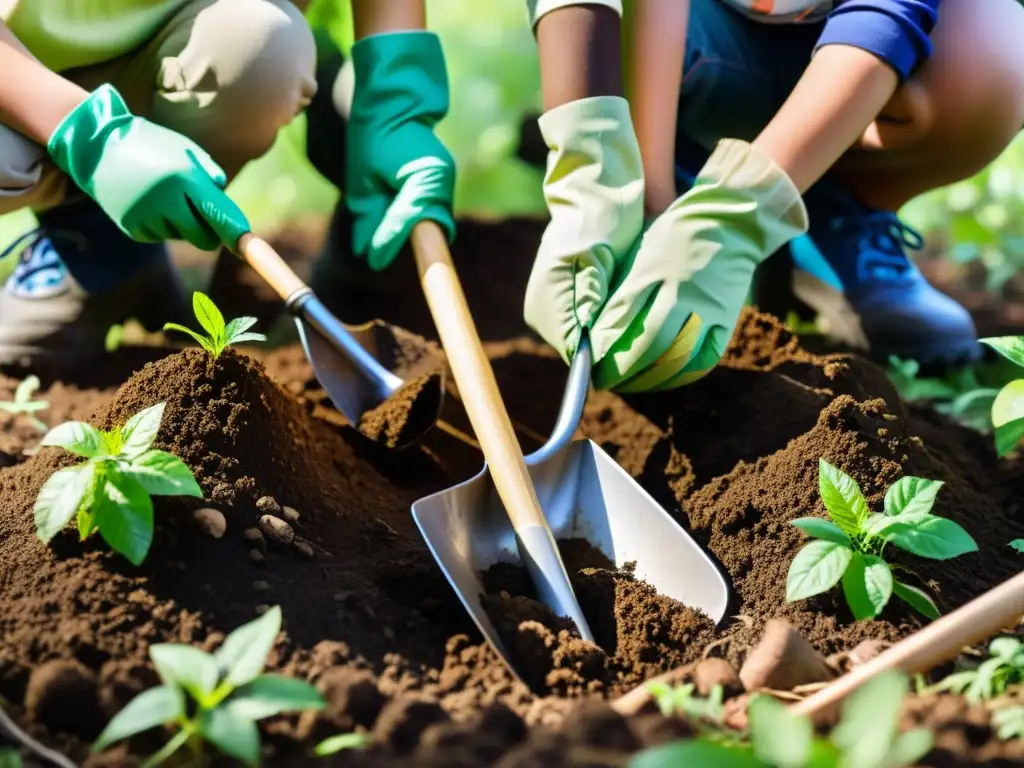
(269, 265)
(937, 643)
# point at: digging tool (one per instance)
(354, 379)
(584, 494)
(478, 391)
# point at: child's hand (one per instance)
(153, 182)
(398, 172)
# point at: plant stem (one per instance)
(169, 748)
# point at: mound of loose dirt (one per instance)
(370, 618)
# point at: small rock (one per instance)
(782, 660)
(261, 586)
(211, 521)
(714, 671)
(277, 529)
(290, 515)
(261, 609)
(734, 713)
(268, 505)
(304, 549)
(252, 534)
(256, 556)
(865, 651)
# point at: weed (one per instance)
(111, 489)
(228, 692)
(959, 395)
(1009, 722)
(219, 335)
(1008, 407)
(680, 699)
(866, 737)
(23, 402)
(991, 678)
(849, 547)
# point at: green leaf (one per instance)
(201, 340)
(697, 752)
(25, 389)
(1004, 648)
(10, 758)
(272, 694)
(163, 474)
(1018, 544)
(244, 652)
(139, 433)
(842, 497)
(208, 316)
(983, 686)
(1009, 721)
(927, 535)
(124, 515)
(342, 741)
(185, 666)
(244, 337)
(822, 529)
(76, 436)
(59, 499)
(867, 584)
(147, 710)
(816, 569)
(232, 734)
(917, 599)
(1008, 436)
(237, 326)
(908, 748)
(911, 494)
(780, 738)
(869, 721)
(1010, 347)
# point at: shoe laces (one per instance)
(884, 240)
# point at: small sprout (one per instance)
(219, 335)
(1018, 544)
(114, 338)
(680, 699)
(334, 744)
(849, 547)
(1008, 407)
(1009, 722)
(227, 692)
(23, 402)
(991, 678)
(111, 489)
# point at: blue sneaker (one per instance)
(75, 276)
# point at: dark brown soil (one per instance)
(370, 618)
(407, 414)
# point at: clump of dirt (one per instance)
(407, 414)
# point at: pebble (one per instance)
(290, 515)
(261, 586)
(714, 671)
(256, 556)
(277, 529)
(211, 521)
(252, 534)
(782, 660)
(268, 505)
(304, 549)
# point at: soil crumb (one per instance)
(407, 414)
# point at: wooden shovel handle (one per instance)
(269, 265)
(940, 641)
(474, 376)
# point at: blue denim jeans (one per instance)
(736, 75)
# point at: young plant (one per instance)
(111, 489)
(334, 744)
(23, 402)
(849, 547)
(214, 698)
(219, 335)
(1009, 722)
(681, 699)
(1008, 407)
(991, 678)
(1018, 545)
(866, 737)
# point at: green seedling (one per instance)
(991, 678)
(850, 546)
(10, 758)
(114, 338)
(866, 737)
(1009, 722)
(959, 395)
(214, 698)
(680, 699)
(111, 490)
(1008, 407)
(1018, 544)
(219, 335)
(334, 744)
(24, 404)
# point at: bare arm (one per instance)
(840, 95)
(374, 17)
(659, 46)
(579, 53)
(33, 100)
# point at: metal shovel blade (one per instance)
(584, 495)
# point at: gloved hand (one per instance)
(397, 172)
(676, 300)
(153, 182)
(594, 188)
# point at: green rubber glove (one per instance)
(676, 300)
(594, 189)
(154, 183)
(397, 172)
